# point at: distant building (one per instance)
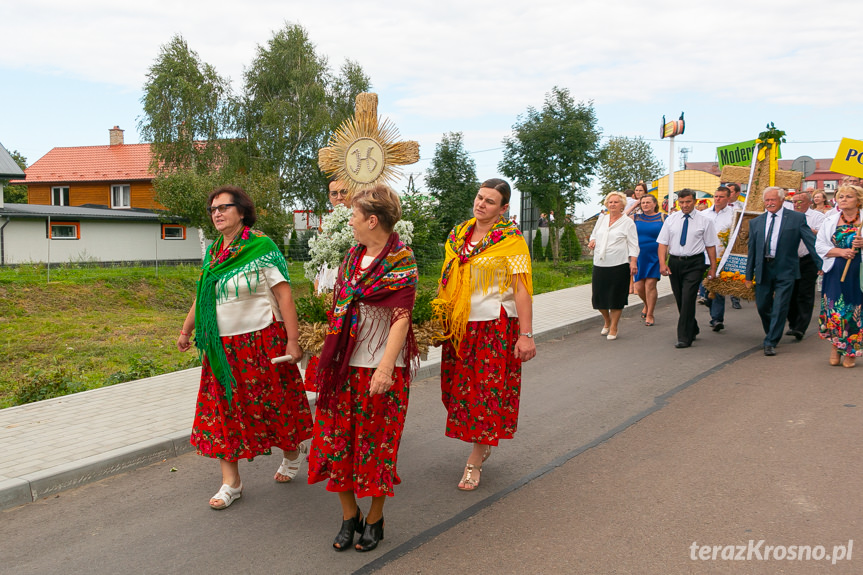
(821, 179)
(93, 204)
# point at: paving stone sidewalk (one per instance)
(60, 443)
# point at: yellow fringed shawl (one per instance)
(501, 257)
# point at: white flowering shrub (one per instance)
(336, 238)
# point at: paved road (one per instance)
(581, 391)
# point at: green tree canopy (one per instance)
(552, 155)
(266, 141)
(626, 162)
(16, 194)
(452, 181)
(189, 111)
(291, 105)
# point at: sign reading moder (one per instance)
(849, 158)
(739, 154)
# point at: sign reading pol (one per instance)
(849, 158)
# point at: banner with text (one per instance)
(849, 158)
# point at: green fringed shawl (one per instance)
(249, 253)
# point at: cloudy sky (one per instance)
(71, 70)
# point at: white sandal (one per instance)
(290, 467)
(227, 495)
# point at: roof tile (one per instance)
(91, 164)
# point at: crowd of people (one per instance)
(252, 398)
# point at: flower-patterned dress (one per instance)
(356, 440)
(267, 406)
(841, 302)
(481, 388)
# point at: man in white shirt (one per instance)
(734, 196)
(683, 240)
(803, 296)
(722, 214)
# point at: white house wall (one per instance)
(25, 242)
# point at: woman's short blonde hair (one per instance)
(379, 200)
(620, 195)
(849, 189)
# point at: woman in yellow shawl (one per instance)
(485, 304)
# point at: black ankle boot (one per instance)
(345, 538)
(372, 535)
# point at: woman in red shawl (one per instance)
(485, 304)
(364, 369)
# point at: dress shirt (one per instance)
(721, 222)
(776, 227)
(615, 243)
(814, 219)
(700, 235)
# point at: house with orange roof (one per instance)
(93, 204)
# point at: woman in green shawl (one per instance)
(243, 317)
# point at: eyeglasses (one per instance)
(342, 193)
(221, 209)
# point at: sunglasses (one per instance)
(221, 209)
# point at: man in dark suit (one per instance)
(774, 237)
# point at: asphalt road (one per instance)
(579, 392)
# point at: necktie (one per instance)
(685, 229)
(769, 239)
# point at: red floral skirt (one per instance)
(481, 389)
(311, 382)
(355, 445)
(268, 408)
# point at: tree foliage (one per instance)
(626, 162)
(452, 181)
(421, 209)
(189, 111)
(186, 192)
(552, 155)
(16, 194)
(265, 140)
(291, 105)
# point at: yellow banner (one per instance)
(849, 158)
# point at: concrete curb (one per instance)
(35, 486)
(15, 491)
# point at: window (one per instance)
(809, 185)
(121, 196)
(60, 196)
(173, 232)
(65, 231)
(830, 184)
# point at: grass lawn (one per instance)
(91, 327)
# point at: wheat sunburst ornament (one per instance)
(364, 150)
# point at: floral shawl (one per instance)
(388, 284)
(503, 249)
(249, 253)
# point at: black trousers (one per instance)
(803, 296)
(686, 275)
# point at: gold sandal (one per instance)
(468, 483)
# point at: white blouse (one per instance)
(244, 310)
(326, 278)
(824, 239)
(373, 332)
(615, 243)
